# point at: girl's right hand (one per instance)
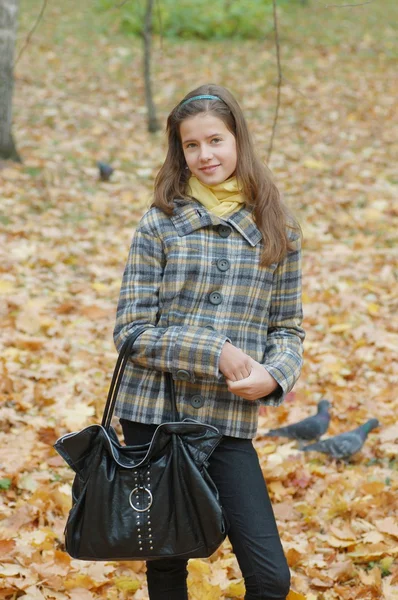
(234, 364)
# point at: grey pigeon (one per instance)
(308, 429)
(346, 444)
(105, 171)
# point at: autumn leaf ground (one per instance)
(79, 98)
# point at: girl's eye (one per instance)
(190, 145)
(216, 140)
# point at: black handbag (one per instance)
(147, 501)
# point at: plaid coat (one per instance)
(194, 279)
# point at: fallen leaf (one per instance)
(388, 525)
(292, 595)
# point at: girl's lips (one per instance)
(209, 169)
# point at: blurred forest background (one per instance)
(79, 98)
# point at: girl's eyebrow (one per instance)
(208, 137)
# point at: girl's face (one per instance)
(209, 148)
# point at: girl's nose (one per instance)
(205, 153)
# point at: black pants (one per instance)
(235, 469)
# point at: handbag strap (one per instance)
(117, 377)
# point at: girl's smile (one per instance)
(209, 148)
(209, 169)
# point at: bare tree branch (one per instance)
(278, 62)
(121, 4)
(31, 32)
(160, 24)
(153, 124)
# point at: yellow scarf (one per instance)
(220, 199)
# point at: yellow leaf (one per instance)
(373, 309)
(42, 538)
(277, 488)
(372, 552)
(99, 287)
(126, 584)
(203, 590)
(311, 163)
(6, 286)
(75, 417)
(295, 596)
(386, 563)
(372, 214)
(318, 470)
(236, 590)
(340, 327)
(78, 580)
(267, 449)
(197, 566)
(336, 543)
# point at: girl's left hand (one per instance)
(257, 385)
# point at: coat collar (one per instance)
(191, 215)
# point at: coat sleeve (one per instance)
(195, 350)
(284, 346)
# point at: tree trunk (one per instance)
(8, 29)
(153, 124)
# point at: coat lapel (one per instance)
(190, 215)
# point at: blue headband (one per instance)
(201, 97)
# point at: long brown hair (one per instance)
(255, 180)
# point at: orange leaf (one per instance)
(292, 595)
(6, 546)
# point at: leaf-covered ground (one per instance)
(79, 98)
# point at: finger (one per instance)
(240, 374)
(234, 386)
(248, 371)
(244, 373)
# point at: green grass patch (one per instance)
(32, 171)
(202, 19)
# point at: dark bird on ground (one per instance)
(105, 171)
(308, 429)
(346, 444)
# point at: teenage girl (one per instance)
(214, 272)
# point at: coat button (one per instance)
(223, 264)
(224, 230)
(183, 375)
(197, 401)
(210, 327)
(215, 298)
